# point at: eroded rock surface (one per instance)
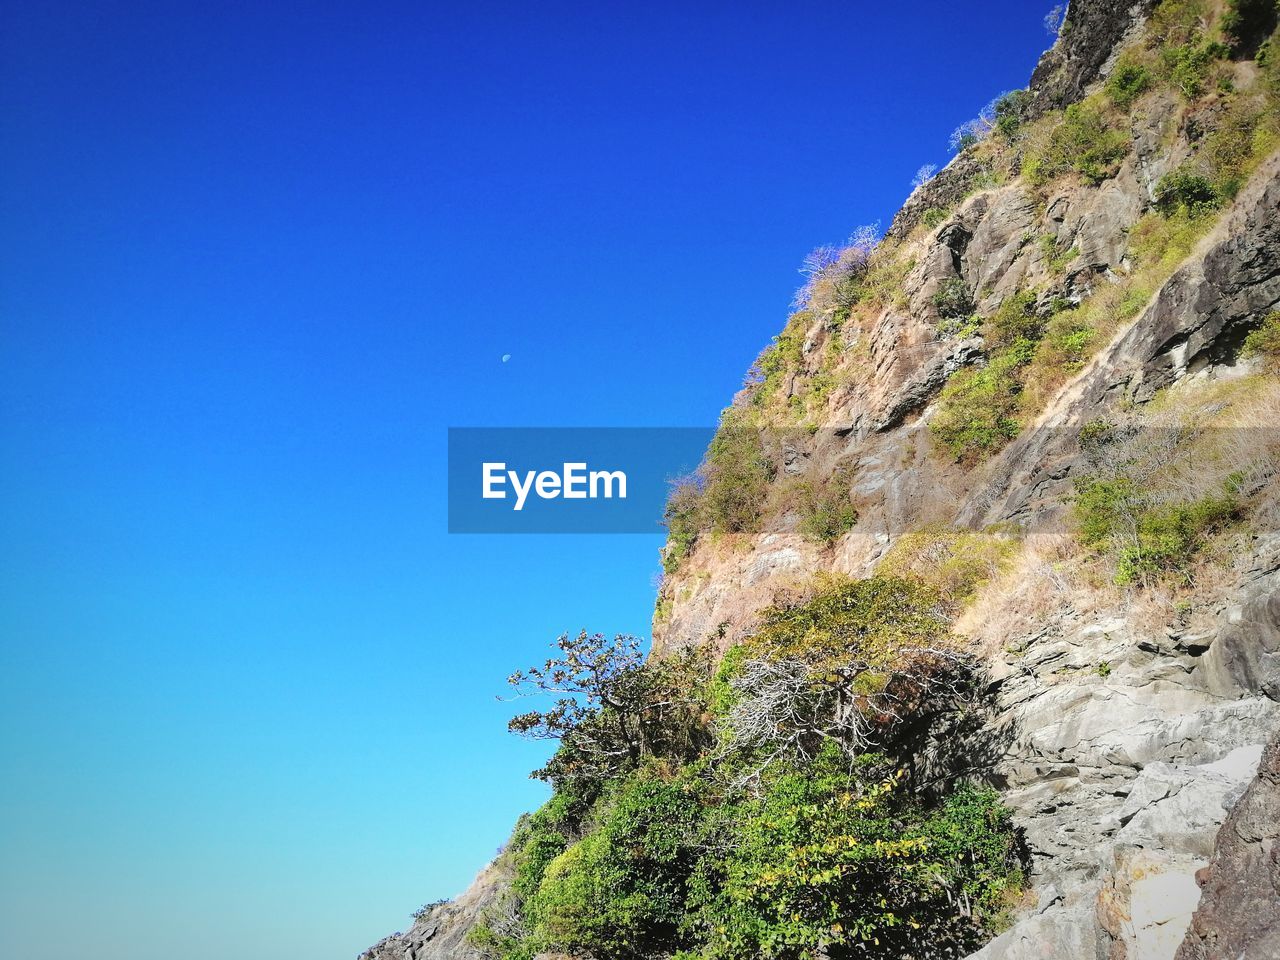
(1239, 910)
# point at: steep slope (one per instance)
(1059, 315)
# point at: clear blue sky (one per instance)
(256, 259)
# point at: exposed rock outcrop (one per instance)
(1239, 912)
(440, 931)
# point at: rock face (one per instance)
(1238, 916)
(1092, 31)
(440, 932)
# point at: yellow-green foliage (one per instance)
(1148, 538)
(978, 409)
(824, 504)
(956, 562)
(1242, 137)
(737, 474)
(1081, 139)
(1130, 80)
(826, 856)
(1015, 319)
(780, 360)
(727, 492)
(871, 619)
(826, 864)
(825, 850)
(683, 518)
(1159, 243)
(1264, 342)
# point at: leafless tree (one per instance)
(786, 708)
(923, 175)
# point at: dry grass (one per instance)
(1190, 441)
(1040, 582)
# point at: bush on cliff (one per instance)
(1263, 342)
(726, 846)
(1148, 538)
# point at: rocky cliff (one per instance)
(1124, 219)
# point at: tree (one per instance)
(847, 664)
(611, 706)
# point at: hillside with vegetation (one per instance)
(968, 639)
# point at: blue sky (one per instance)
(257, 259)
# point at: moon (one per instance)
(506, 357)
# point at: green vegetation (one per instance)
(1183, 190)
(1148, 538)
(1056, 258)
(1128, 82)
(1010, 110)
(1188, 66)
(726, 494)
(978, 408)
(1245, 22)
(935, 216)
(720, 830)
(952, 300)
(1264, 342)
(874, 618)
(1015, 320)
(955, 562)
(1031, 352)
(1083, 140)
(826, 509)
(780, 359)
(737, 474)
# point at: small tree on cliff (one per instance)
(611, 707)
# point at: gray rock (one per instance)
(1239, 911)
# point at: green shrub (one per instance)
(621, 890)
(1127, 82)
(1068, 341)
(1184, 190)
(934, 216)
(952, 299)
(1178, 22)
(1264, 342)
(720, 692)
(780, 359)
(683, 518)
(1238, 141)
(1168, 536)
(824, 864)
(871, 618)
(955, 562)
(737, 473)
(1010, 110)
(1015, 319)
(828, 855)
(978, 408)
(1188, 66)
(727, 492)
(1160, 243)
(1082, 141)
(826, 511)
(1148, 539)
(824, 851)
(1056, 259)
